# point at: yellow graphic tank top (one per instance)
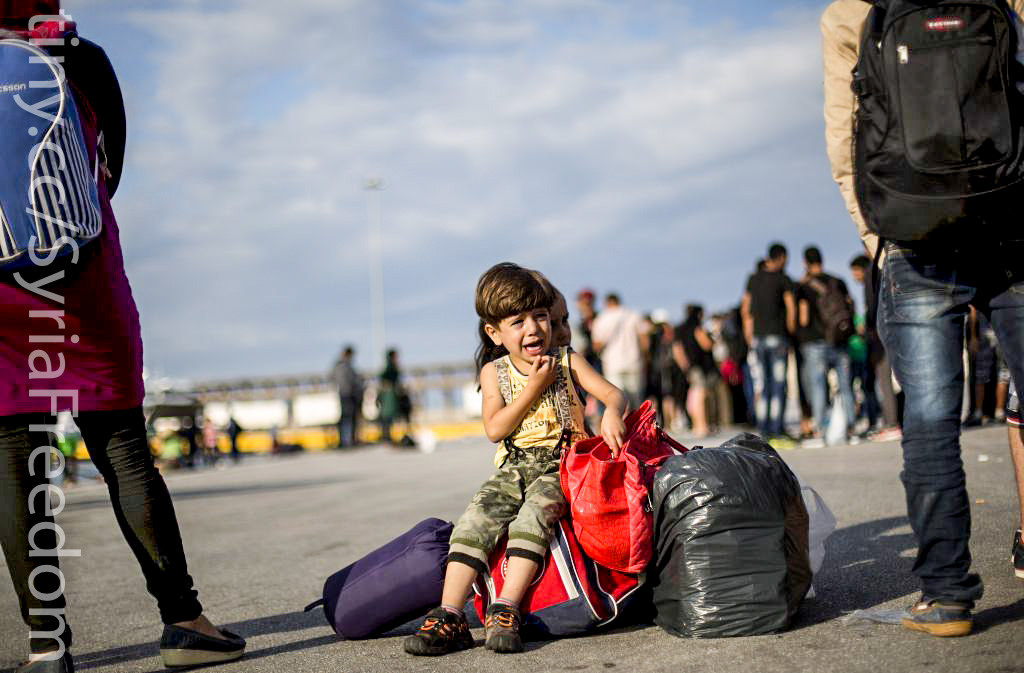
(543, 423)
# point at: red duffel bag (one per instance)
(570, 596)
(608, 497)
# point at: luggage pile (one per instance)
(712, 542)
(732, 553)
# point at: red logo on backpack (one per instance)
(945, 24)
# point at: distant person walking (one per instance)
(234, 430)
(692, 352)
(825, 318)
(350, 397)
(92, 360)
(769, 318)
(620, 340)
(390, 404)
(189, 433)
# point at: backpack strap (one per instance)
(821, 288)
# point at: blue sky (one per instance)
(651, 148)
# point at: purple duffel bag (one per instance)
(389, 586)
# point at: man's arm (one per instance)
(679, 355)
(787, 298)
(841, 29)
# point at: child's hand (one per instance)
(613, 430)
(542, 372)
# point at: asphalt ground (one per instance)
(262, 536)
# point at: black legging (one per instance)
(142, 506)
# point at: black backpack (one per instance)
(834, 310)
(939, 132)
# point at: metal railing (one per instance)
(436, 390)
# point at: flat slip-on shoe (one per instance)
(939, 618)
(185, 647)
(62, 665)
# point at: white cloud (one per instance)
(608, 144)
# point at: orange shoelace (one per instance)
(504, 619)
(433, 622)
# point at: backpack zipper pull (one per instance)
(903, 51)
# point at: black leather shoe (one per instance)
(185, 647)
(62, 665)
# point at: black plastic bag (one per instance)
(731, 545)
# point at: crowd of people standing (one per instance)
(733, 367)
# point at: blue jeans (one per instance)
(862, 371)
(748, 392)
(772, 358)
(819, 358)
(923, 302)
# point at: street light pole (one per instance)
(373, 188)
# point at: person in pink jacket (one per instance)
(70, 341)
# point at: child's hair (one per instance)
(503, 290)
(543, 280)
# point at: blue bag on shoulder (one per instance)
(49, 200)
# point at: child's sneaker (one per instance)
(939, 618)
(1017, 556)
(502, 628)
(442, 632)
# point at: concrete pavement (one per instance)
(261, 537)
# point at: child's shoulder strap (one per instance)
(563, 401)
(563, 379)
(504, 383)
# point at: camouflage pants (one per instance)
(524, 497)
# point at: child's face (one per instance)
(561, 333)
(525, 335)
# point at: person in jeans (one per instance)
(878, 360)
(350, 397)
(820, 356)
(926, 291)
(769, 318)
(81, 329)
